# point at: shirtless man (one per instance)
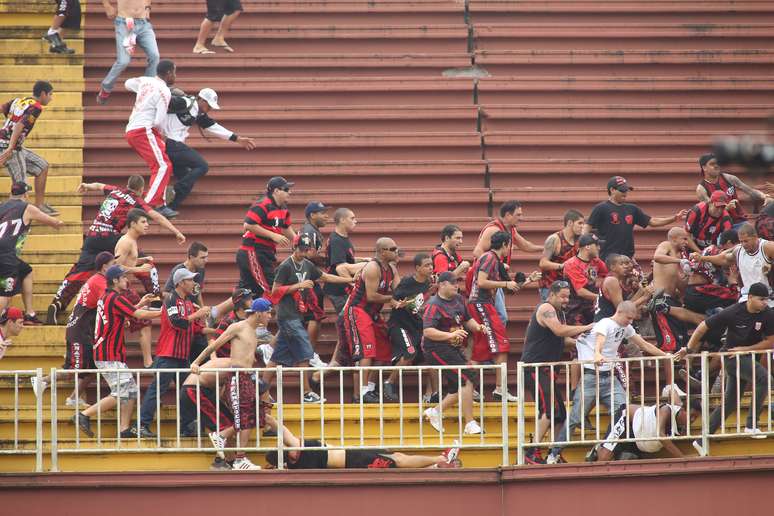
(127, 256)
(244, 342)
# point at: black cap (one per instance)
(588, 239)
(314, 207)
(20, 188)
(618, 183)
(278, 182)
(447, 276)
(758, 290)
(706, 158)
(302, 241)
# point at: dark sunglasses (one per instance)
(561, 284)
(390, 249)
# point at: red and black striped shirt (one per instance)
(497, 223)
(225, 350)
(358, 298)
(703, 227)
(111, 217)
(176, 330)
(113, 308)
(489, 263)
(566, 251)
(725, 186)
(270, 217)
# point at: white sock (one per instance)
(52, 31)
(371, 386)
(364, 389)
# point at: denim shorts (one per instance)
(293, 344)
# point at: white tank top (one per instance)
(645, 425)
(751, 268)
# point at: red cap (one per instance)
(718, 198)
(12, 314)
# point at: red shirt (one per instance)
(92, 291)
(113, 309)
(566, 251)
(703, 227)
(270, 217)
(582, 274)
(176, 330)
(443, 261)
(725, 186)
(111, 217)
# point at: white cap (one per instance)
(210, 97)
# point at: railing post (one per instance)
(520, 412)
(705, 412)
(504, 416)
(39, 425)
(54, 417)
(280, 422)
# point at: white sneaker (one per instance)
(699, 449)
(476, 397)
(667, 391)
(244, 464)
(434, 417)
(266, 352)
(498, 395)
(219, 443)
(755, 433)
(316, 361)
(472, 428)
(72, 402)
(38, 387)
(452, 453)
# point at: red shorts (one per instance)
(366, 337)
(495, 341)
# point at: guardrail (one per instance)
(24, 376)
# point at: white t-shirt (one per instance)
(614, 333)
(150, 105)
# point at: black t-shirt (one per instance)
(290, 273)
(340, 250)
(615, 225)
(309, 459)
(410, 317)
(169, 286)
(445, 315)
(743, 328)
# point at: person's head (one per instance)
(242, 299)
(19, 190)
(302, 246)
(678, 238)
(387, 250)
(717, 203)
(43, 92)
(136, 184)
(687, 414)
(748, 237)
(260, 311)
(574, 220)
(500, 243)
(757, 298)
(207, 99)
(344, 219)
(559, 294)
(12, 321)
(451, 236)
(423, 266)
(626, 313)
(588, 246)
(617, 189)
(198, 255)
(447, 285)
(103, 260)
(278, 188)
(728, 239)
(166, 70)
(619, 265)
(116, 278)
(137, 220)
(317, 214)
(510, 213)
(708, 167)
(183, 280)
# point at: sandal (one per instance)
(202, 51)
(224, 47)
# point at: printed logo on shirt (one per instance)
(172, 311)
(758, 326)
(630, 219)
(614, 219)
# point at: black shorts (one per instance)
(671, 334)
(198, 344)
(703, 298)
(79, 338)
(450, 355)
(368, 459)
(543, 396)
(256, 270)
(71, 10)
(92, 246)
(216, 9)
(405, 343)
(11, 278)
(207, 409)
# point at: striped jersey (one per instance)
(176, 330)
(358, 297)
(113, 309)
(111, 217)
(265, 213)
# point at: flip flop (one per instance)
(203, 51)
(224, 47)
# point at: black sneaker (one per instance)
(84, 423)
(129, 433)
(146, 432)
(533, 456)
(58, 46)
(220, 465)
(53, 311)
(270, 433)
(32, 320)
(168, 212)
(657, 303)
(371, 397)
(591, 456)
(389, 391)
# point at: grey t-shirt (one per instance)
(199, 280)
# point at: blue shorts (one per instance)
(293, 344)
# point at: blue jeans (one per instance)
(581, 410)
(293, 346)
(499, 303)
(148, 409)
(146, 40)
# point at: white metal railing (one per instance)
(309, 413)
(21, 383)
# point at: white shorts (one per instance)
(122, 385)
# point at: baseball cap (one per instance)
(11, 314)
(239, 294)
(114, 272)
(314, 207)
(448, 277)
(209, 96)
(259, 305)
(719, 198)
(102, 258)
(20, 187)
(302, 241)
(706, 158)
(758, 290)
(182, 274)
(278, 182)
(618, 183)
(588, 239)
